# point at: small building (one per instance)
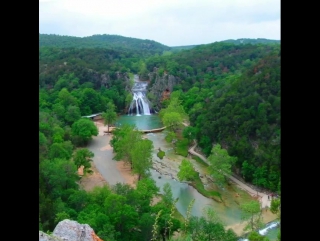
(97, 116)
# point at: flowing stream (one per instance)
(229, 212)
(165, 170)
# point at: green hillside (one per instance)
(102, 41)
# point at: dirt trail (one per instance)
(264, 198)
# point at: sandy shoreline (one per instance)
(122, 167)
(125, 171)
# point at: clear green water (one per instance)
(144, 122)
(229, 212)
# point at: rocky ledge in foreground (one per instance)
(68, 230)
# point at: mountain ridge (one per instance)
(118, 41)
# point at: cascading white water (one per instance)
(136, 99)
(265, 230)
(140, 103)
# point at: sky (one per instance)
(170, 22)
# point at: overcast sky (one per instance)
(170, 22)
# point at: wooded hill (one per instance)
(103, 41)
(232, 96)
(208, 73)
(230, 91)
(252, 41)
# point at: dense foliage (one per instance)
(230, 93)
(244, 116)
(232, 96)
(251, 41)
(146, 47)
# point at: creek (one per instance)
(165, 170)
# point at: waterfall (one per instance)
(265, 230)
(140, 103)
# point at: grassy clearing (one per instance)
(182, 146)
(197, 184)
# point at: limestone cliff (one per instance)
(160, 88)
(68, 230)
(165, 94)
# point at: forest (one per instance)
(229, 90)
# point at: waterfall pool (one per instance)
(142, 122)
(229, 212)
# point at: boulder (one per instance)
(68, 230)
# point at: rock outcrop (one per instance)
(165, 95)
(160, 88)
(68, 230)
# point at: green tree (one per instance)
(90, 101)
(174, 106)
(202, 229)
(141, 155)
(82, 157)
(172, 120)
(143, 195)
(43, 145)
(247, 170)
(220, 163)
(186, 171)
(189, 133)
(260, 176)
(255, 236)
(128, 99)
(122, 215)
(94, 215)
(110, 116)
(72, 114)
(251, 212)
(122, 142)
(84, 129)
(66, 99)
(61, 150)
(146, 222)
(275, 208)
(167, 196)
(68, 81)
(59, 110)
(61, 216)
(171, 137)
(58, 175)
(57, 134)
